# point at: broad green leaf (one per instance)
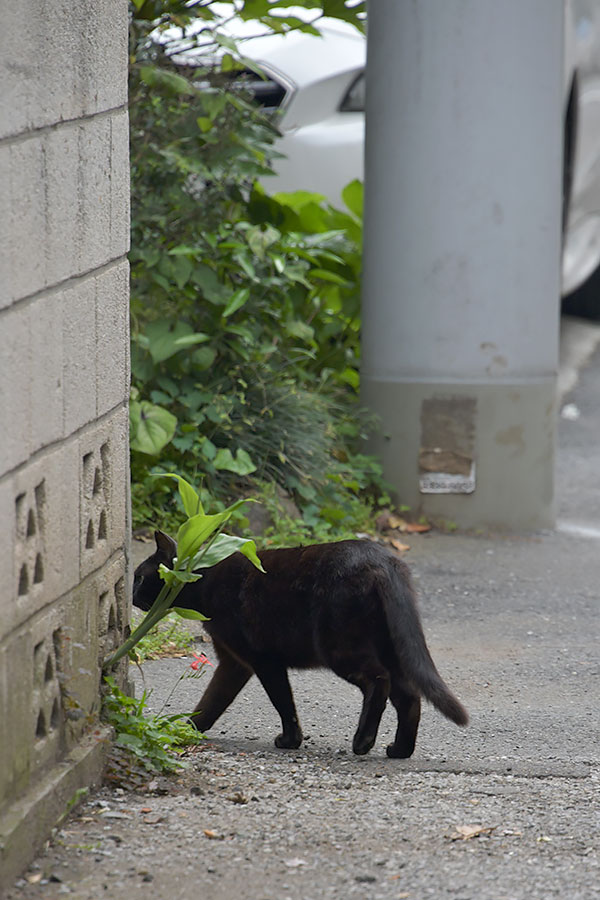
(189, 614)
(190, 340)
(152, 427)
(351, 377)
(214, 103)
(228, 63)
(222, 547)
(353, 195)
(193, 533)
(326, 275)
(166, 80)
(241, 464)
(254, 9)
(167, 575)
(208, 449)
(203, 358)
(236, 301)
(189, 497)
(182, 269)
(206, 279)
(300, 330)
(167, 337)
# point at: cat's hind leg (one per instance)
(228, 680)
(274, 678)
(374, 682)
(408, 708)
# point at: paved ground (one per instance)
(507, 809)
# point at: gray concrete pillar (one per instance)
(462, 254)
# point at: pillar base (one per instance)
(468, 454)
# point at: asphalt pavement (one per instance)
(506, 809)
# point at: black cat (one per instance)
(346, 606)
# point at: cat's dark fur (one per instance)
(346, 606)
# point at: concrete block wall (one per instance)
(64, 384)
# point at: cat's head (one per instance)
(147, 583)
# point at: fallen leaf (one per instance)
(466, 832)
(153, 820)
(295, 863)
(213, 836)
(397, 544)
(34, 879)
(389, 521)
(238, 797)
(146, 809)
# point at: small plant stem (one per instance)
(158, 611)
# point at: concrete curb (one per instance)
(29, 820)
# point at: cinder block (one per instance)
(74, 62)
(95, 490)
(6, 288)
(45, 709)
(46, 532)
(112, 342)
(114, 603)
(104, 478)
(7, 557)
(120, 500)
(109, 57)
(79, 354)
(46, 387)
(94, 187)
(19, 71)
(28, 217)
(15, 387)
(119, 184)
(78, 659)
(16, 688)
(64, 202)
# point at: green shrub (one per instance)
(245, 307)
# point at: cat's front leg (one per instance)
(274, 678)
(228, 680)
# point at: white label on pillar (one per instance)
(445, 483)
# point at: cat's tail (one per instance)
(411, 649)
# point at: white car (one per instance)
(318, 85)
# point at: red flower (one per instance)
(199, 660)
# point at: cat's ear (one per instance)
(165, 545)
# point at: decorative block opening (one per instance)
(40, 499)
(40, 730)
(21, 513)
(37, 652)
(97, 482)
(49, 670)
(90, 539)
(57, 643)
(23, 581)
(55, 715)
(38, 572)
(88, 462)
(30, 548)
(102, 526)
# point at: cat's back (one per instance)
(319, 567)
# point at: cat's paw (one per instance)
(289, 741)
(399, 752)
(361, 745)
